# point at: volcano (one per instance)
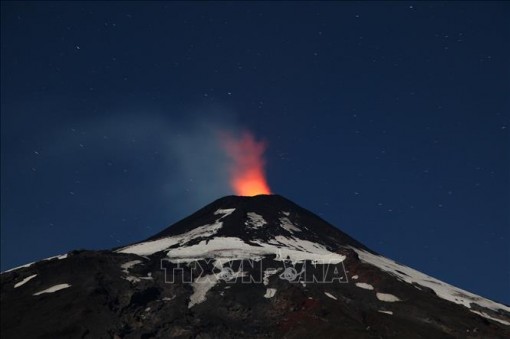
(240, 267)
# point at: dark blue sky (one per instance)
(390, 120)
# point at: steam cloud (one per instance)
(180, 163)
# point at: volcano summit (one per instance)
(240, 267)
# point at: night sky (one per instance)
(389, 120)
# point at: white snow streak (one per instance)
(151, 247)
(53, 289)
(270, 292)
(24, 281)
(330, 295)
(286, 224)
(60, 257)
(387, 297)
(387, 312)
(365, 286)
(485, 315)
(225, 212)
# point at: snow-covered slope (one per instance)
(241, 267)
(441, 289)
(292, 241)
(179, 249)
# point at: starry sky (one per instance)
(388, 119)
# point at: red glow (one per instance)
(247, 175)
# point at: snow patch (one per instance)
(365, 286)
(330, 295)
(270, 292)
(132, 278)
(200, 288)
(24, 281)
(232, 248)
(126, 266)
(60, 257)
(255, 220)
(442, 290)
(151, 247)
(225, 212)
(286, 224)
(53, 289)
(387, 312)
(148, 277)
(18, 267)
(390, 298)
(125, 269)
(485, 315)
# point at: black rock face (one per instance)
(246, 267)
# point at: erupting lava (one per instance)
(247, 176)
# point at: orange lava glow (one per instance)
(247, 175)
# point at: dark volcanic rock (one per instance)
(251, 267)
